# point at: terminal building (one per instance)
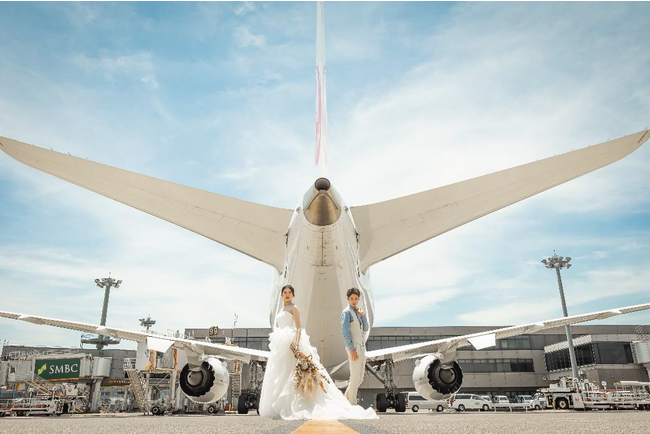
(515, 366)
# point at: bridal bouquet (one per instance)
(306, 375)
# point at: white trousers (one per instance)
(357, 372)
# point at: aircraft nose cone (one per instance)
(322, 184)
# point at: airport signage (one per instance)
(57, 369)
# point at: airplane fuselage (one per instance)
(322, 263)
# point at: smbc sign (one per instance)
(56, 369)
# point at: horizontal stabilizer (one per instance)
(254, 229)
(390, 227)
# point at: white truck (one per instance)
(538, 402)
(502, 402)
(584, 395)
(36, 406)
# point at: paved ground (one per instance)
(552, 422)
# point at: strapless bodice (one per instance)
(284, 319)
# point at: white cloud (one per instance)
(244, 8)
(487, 94)
(138, 65)
(523, 312)
(245, 38)
(399, 305)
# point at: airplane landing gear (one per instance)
(249, 399)
(392, 398)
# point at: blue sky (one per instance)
(221, 97)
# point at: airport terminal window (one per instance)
(476, 366)
(602, 353)
(584, 355)
(560, 360)
(613, 353)
(380, 342)
(255, 343)
(514, 343)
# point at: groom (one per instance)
(353, 326)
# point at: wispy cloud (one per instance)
(446, 96)
(139, 66)
(245, 7)
(245, 38)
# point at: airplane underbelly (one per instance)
(322, 265)
(322, 271)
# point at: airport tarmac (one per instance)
(629, 422)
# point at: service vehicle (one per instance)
(36, 406)
(466, 401)
(5, 407)
(524, 399)
(417, 402)
(538, 402)
(570, 393)
(502, 402)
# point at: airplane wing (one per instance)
(254, 229)
(155, 341)
(488, 339)
(390, 227)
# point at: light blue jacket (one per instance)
(346, 319)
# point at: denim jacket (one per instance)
(346, 319)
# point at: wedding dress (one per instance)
(279, 397)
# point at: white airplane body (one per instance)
(322, 263)
(323, 247)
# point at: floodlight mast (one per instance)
(558, 262)
(147, 322)
(107, 283)
(101, 341)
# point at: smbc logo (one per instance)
(58, 369)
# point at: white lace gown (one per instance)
(279, 397)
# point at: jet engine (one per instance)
(206, 382)
(434, 380)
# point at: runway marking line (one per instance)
(324, 427)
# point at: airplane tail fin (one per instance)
(321, 95)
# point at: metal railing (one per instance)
(24, 355)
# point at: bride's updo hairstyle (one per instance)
(290, 288)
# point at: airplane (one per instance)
(324, 247)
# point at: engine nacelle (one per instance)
(434, 380)
(207, 382)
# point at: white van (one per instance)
(466, 401)
(417, 402)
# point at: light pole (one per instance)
(559, 262)
(107, 283)
(101, 341)
(147, 322)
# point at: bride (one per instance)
(311, 395)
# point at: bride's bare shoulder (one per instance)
(294, 310)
